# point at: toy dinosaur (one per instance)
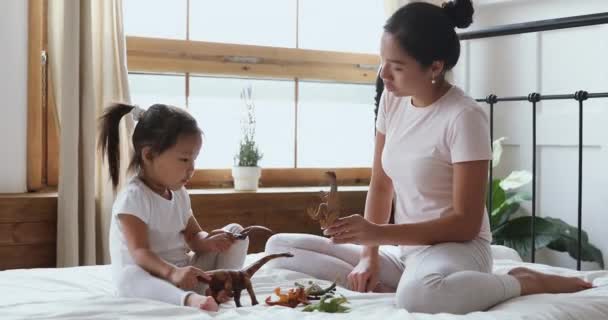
(314, 291)
(245, 233)
(301, 294)
(232, 282)
(329, 304)
(329, 209)
(291, 299)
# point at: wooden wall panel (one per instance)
(28, 226)
(28, 222)
(281, 212)
(27, 256)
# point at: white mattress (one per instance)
(87, 293)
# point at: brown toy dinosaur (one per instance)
(329, 209)
(245, 233)
(232, 282)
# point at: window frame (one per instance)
(42, 130)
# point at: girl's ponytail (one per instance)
(109, 142)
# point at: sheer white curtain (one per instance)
(87, 61)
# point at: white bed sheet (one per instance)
(87, 293)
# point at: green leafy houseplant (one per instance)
(249, 154)
(513, 229)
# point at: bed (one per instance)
(87, 293)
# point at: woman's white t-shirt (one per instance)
(421, 146)
(166, 220)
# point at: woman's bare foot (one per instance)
(201, 302)
(533, 282)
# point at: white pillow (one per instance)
(502, 252)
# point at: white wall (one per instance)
(13, 95)
(553, 62)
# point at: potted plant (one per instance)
(512, 228)
(246, 171)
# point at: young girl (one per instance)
(153, 229)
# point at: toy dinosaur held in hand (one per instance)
(232, 282)
(245, 233)
(329, 209)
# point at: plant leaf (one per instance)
(502, 214)
(517, 234)
(588, 251)
(508, 207)
(567, 230)
(516, 179)
(498, 195)
(497, 151)
(568, 242)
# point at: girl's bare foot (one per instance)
(201, 302)
(533, 282)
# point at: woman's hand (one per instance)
(364, 277)
(186, 278)
(218, 241)
(354, 229)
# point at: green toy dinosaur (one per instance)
(314, 291)
(330, 304)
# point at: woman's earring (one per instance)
(433, 80)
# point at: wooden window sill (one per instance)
(275, 190)
(217, 191)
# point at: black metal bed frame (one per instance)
(579, 96)
(534, 98)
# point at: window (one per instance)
(335, 125)
(341, 25)
(155, 18)
(259, 22)
(148, 89)
(216, 104)
(312, 65)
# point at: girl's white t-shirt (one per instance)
(166, 220)
(421, 146)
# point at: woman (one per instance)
(432, 155)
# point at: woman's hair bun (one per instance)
(460, 12)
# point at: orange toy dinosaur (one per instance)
(291, 299)
(329, 209)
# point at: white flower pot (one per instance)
(246, 178)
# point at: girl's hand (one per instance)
(218, 241)
(216, 231)
(186, 278)
(364, 276)
(354, 229)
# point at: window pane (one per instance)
(261, 22)
(148, 89)
(216, 104)
(335, 125)
(155, 18)
(341, 25)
